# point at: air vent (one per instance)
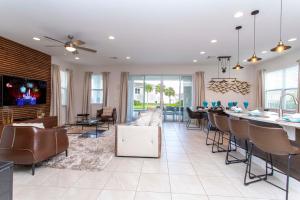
(211, 57)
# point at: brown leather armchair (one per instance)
(107, 118)
(26, 145)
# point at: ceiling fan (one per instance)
(71, 45)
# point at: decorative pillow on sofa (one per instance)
(107, 111)
(37, 125)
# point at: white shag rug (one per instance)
(91, 154)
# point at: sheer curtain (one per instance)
(123, 97)
(130, 109)
(55, 106)
(199, 88)
(86, 102)
(260, 89)
(70, 108)
(105, 77)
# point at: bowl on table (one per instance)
(255, 113)
(292, 118)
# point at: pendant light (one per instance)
(254, 58)
(280, 46)
(238, 66)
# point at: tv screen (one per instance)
(21, 91)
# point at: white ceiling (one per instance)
(162, 32)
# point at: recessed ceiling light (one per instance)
(113, 57)
(77, 58)
(292, 39)
(194, 61)
(36, 38)
(245, 60)
(263, 52)
(214, 41)
(111, 37)
(128, 57)
(238, 14)
(202, 52)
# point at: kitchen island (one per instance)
(272, 119)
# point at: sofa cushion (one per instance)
(37, 125)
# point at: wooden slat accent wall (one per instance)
(19, 60)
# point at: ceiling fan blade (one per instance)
(49, 38)
(87, 49)
(78, 42)
(53, 45)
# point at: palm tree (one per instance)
(169, 92)
(148, 89)
(158, 88)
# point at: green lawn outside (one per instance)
(152, 105)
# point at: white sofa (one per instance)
(141, 138)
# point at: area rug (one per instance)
(91, 154)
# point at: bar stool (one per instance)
(238, 129)
(271, 141)
(211, 126)
(221, 122)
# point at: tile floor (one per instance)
(187, 170)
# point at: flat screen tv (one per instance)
(21, 91)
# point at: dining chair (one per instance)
(238, 129)
(272, 141)
(221, 122)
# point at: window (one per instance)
(97, 89)
(63, 87)
(154, 91)
(278, 83)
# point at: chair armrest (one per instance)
(99, 113)
(114, 114)
(50, 142)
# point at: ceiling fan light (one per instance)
(280, 47)
(70, 48)
(254, 59)
(237, 67)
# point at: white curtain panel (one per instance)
(130, 98)
(260, 89)
(123, 97)
(86, 102)
(105, 77)
(199, 88)
(70, 106)
(55, 105)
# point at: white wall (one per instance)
(288, 59)
(115, 72)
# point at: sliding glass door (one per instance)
(170, 92)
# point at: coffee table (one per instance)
(91, 122)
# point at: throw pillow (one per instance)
(107, 111)
(37, 125)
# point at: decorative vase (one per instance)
(40, 114)
(7, 116)
(213, 104)
(246, 104)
